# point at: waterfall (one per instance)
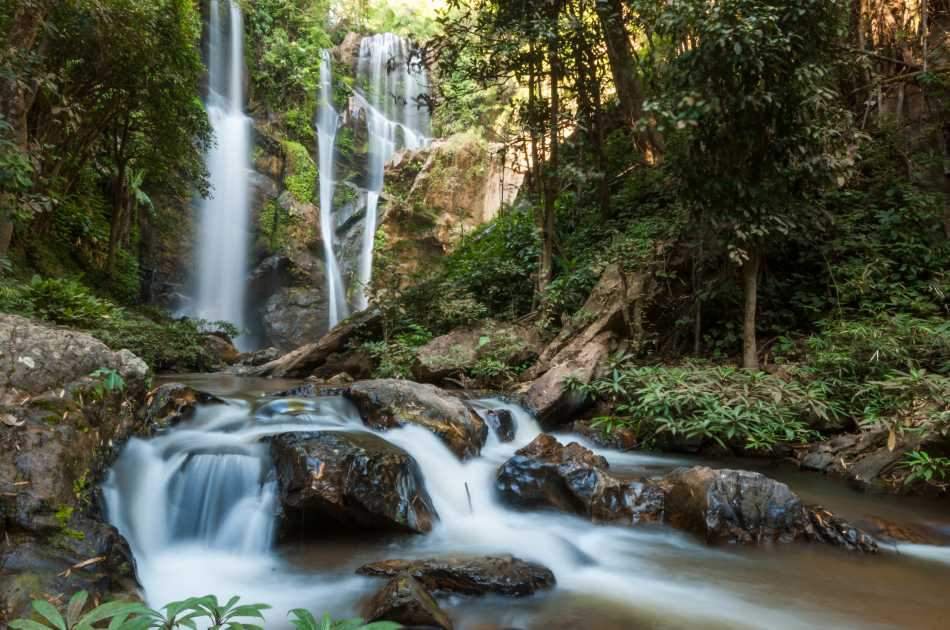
(327, 123)
(221, 246)
(392, 89)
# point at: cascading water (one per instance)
(222, 241)
(327, 123)
(392, 97)
(198, 502)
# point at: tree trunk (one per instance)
(16, 98)
(623, 67)
(750, 289)
(551, 186)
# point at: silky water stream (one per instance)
(197, 505)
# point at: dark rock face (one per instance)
(721, 506)
(499, 575)
(573, 479)
(404, 600)
(349, 479)
(307, 360)
(388, 404)
(293, 316)
(502, 423)
(173, 403)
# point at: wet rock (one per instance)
(294, 315)
(405, 600)
(829, 529)
(306, 360)
(173, 403)
(470, 575)
(35, 358)
(335, 479)
(553, 401)
(455, 354)
(573, 479)
(619, 438)
(502, 423)
(390, 403)
(733, 506)
(221, 349)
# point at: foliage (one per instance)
(301, 175)
(110, 381)
(304, 620)
(67, 302)
(925, 467)
(394, 357)
(725, 405)
(191, 613)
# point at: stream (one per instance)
(197, 505)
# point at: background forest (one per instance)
(774, 176)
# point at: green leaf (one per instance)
(26, 624)
(74, 609)
(49, 612)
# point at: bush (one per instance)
(729, 406)
(394, 358)
(68, 302)
(120, 615)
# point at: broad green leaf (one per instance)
(49, 612)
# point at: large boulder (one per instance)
(550, 396)
(389, 404)
(721, 506)
(456, 353)
(733, 506)
(308, 359)
(470, 575)
(335, 479)
(573, 479)
(63, 415)
(738, 506)
(35, 358)
(405, 600)
(611, 320)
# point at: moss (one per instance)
(63, 515)
(301, 179)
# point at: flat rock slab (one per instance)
(475, 575)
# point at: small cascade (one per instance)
(392, 96)
(327, 124)
(222, 239)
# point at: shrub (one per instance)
(726, 405)
(394, 358)
(190, 613)
(67, 302)
(301, 179)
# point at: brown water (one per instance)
(619, 578)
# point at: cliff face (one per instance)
(437, 195)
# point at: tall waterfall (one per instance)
(392, 92)
(221, 248)
(327, 124)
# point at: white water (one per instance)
(327, 124)
(390, 96)
(197, 505)
(221, 245)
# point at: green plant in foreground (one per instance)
(925, 467)
(213, 614)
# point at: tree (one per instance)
(754, 124)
